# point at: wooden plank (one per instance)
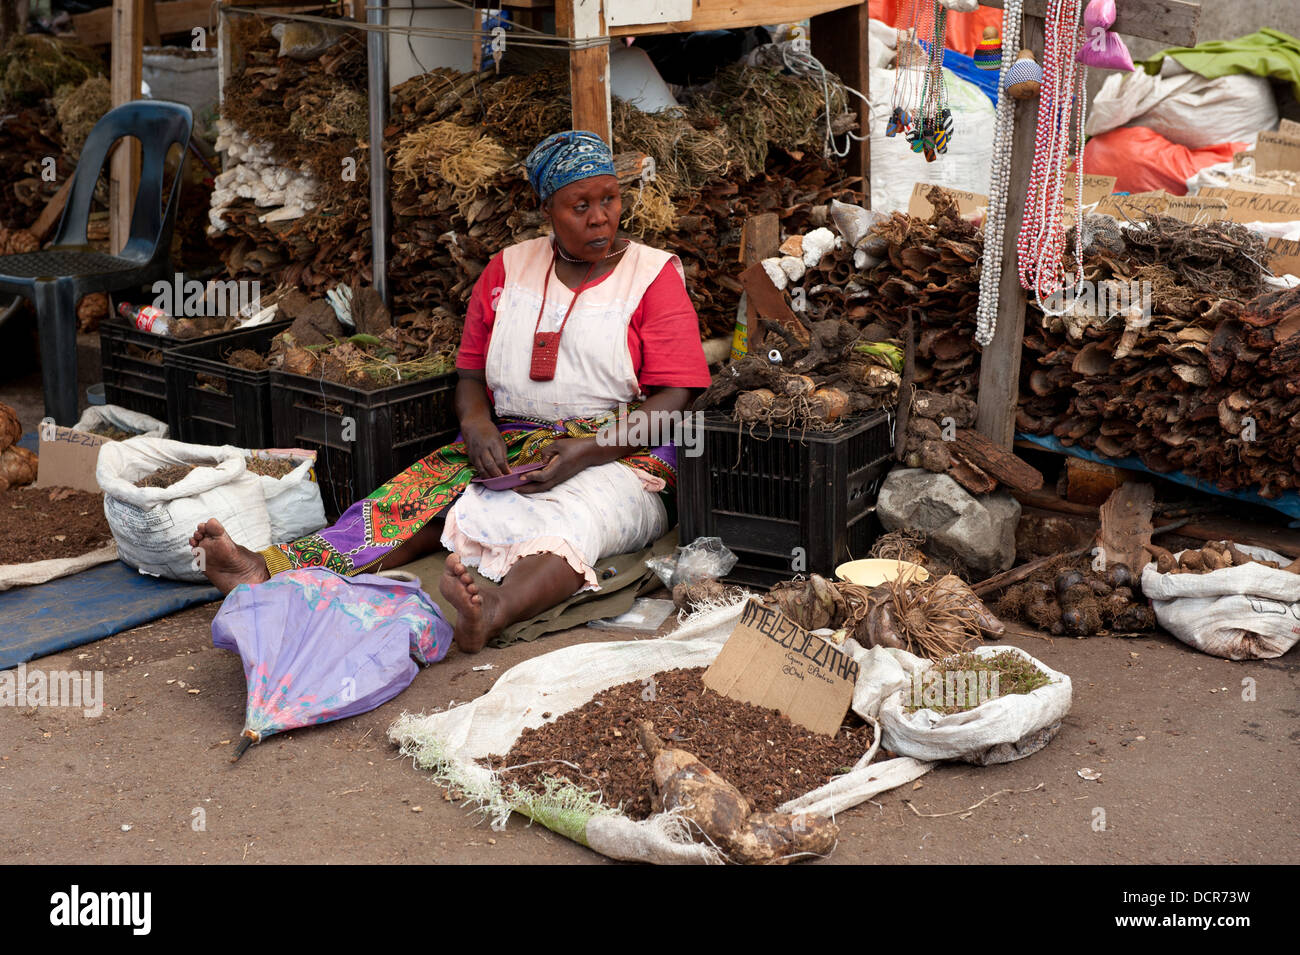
(1091, 482)
(127, 64)
(151, 34)
(770, 303)
(839, 40)
(589, 67)
(760, 237)
(1171, 22)
(1048, 500)
(50, 214)
(999, 386)
(1126, 524)
(734, 14)
(179, 16)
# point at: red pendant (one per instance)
(546, 350)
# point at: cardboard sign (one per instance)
(1094, 188)
(1135, 206)
(68, 458)
(1277, 151)
(1196, 208)
(1289, 127)
(1255, 206)
(770, 661)
(968, 203)
(1285, 259)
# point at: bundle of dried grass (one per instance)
(523, 110)
(32, 68)
(648, 209)
(79, 108)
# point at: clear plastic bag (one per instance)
(705, 557)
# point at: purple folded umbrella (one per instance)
(317, 646)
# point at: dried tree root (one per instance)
(685, 785)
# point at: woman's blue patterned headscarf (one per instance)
(567, 157)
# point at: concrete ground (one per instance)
(1190, 771)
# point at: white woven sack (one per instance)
(998, 731)
(293, 502)
(134, 421)
(1251, 612)
(153, 526)
(451, 743)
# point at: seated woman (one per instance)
(561, 332)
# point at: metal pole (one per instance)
(377, 90)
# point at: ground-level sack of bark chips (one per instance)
(454, 744)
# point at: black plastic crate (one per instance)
(131, 379)
(390, 429)
(766, 492)
(228, 405)
(133, 363)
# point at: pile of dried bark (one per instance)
(885, 270)
(1205, 384)
(456, 142)
(292, 205)
(931, 268)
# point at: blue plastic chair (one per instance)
(56, 278)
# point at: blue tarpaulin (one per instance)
(46, 618)
(964, 66)
(1288, 503)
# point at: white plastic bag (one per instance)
(1251, 612)
(537, 690)
(1184, 107)
(1001, 730)
(119, 417)
(153, 526)
(293, 502)
(895, 169)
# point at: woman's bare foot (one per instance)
(475, 616)
(224, 562)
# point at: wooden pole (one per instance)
(126, 67)
(377, 99)
(839, 41)
(1172, 22)
(999, 387)
(588, 66)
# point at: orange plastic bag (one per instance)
(964, 29)
(1141, 160)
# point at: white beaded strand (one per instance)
(986, 312)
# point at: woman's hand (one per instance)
(564, 459)
(485, 447)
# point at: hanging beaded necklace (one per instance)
(1040, 246)
(986, 312)
(936, 120)
(909, 69)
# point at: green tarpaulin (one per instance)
(1266, 53)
